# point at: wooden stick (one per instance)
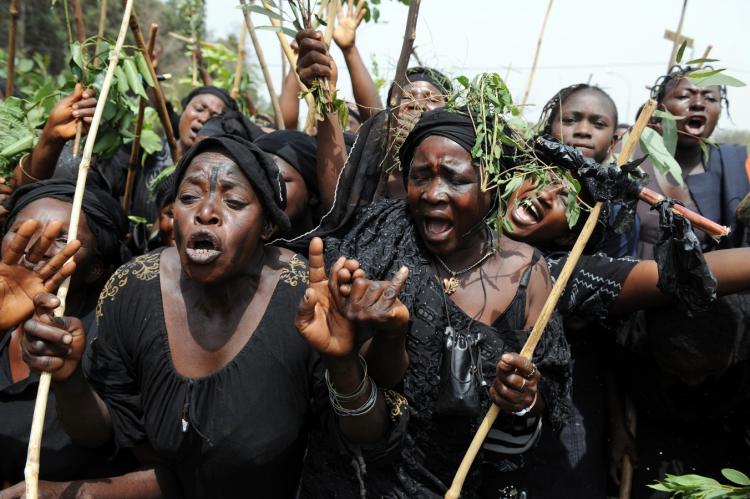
(102, 22)
(410, 34)
(202, 70)
(626, 476)
(292, 58)
(330, 21)
(549, 306)
(678, 34)
(31, 471)
(710, 227)
(240, 62)
(81, 36)
(135, 147)
(11, 48)
(278, 117)
(536, 56)
(158, 95)
(705, 55)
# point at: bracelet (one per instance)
(357, 391)
(526, 410)
(23, 170)
(359, 411)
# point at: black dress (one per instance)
(382, 238)
(238, 432)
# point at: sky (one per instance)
(616, 45)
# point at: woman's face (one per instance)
(200, 109)
(48, 210)
(419, 97)
(538, 216)
(218, 220)
(586, 121)
(445, 195)
(699, 106)
(166, 224)
(297, 198)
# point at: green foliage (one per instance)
(713, 77)
(700, 487)
(654, 145)
(498, 123)
(17, 136)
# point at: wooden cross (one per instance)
(677, 38)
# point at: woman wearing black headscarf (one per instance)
(101, 231)
(196, 358)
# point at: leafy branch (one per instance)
(700, 487)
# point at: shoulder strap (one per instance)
(526, 277)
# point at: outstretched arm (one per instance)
(289, 102)
(315, 62)
(731, 267)
(365, 94)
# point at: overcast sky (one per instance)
(619, 46)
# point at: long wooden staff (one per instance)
(160, 103)
(240, 62)
(549, 306)
(410, 34)
(102, 22)
(536, 56)
(31, 471)
(81, 36)
(292, 58)
(11, 48)
(278, 117)
(678, 34)
(135, 147)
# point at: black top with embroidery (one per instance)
(382, 238)
(237, 432)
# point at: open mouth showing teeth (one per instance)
(437, 226)
(695, 124)
(527, 212)
(203, 248)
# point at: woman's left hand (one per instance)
(318, 319)
(516, 383)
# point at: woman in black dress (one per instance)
(196, 363)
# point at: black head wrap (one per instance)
(441, 122)
(222, 94)
(257, 166)
(433, 76)
(231, 123)
(105, 217)
(296, 148)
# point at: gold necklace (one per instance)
(452, 283)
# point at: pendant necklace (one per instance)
(452, 283)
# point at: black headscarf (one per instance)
(257, 166)
(222, 94)
(296, 148)
(231, 123)
(104, 215)
(433, 76)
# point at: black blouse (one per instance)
(240, 431)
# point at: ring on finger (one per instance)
(532, 373)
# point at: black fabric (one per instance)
(222, 94)
(382, 237)
(457, 127)
(61, 459)
(684, 275)
(257, 166)
(231, 122)
(244, 425)
(296, 148)
(105, 217)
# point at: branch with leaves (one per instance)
(701, 487)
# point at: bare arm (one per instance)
(640, 290)
(142, 484)
(289, 102)
(84, 415)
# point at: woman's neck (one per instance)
(477, 244)
(689, 157)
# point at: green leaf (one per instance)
(702, 60)
(660, 487)
(658, 113)
(262, 10)
(121, 81)
(714, 78)
(320, 21)
(572, 210)
(735, 476)
(137, 220)
(680, 52)
(142, 65)
(134, 78)
(150, 142)
(653, 144)
(76, 55)
(669, 135)
(287, 31)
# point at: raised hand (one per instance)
(318, 318)
(345, 31)
(373, 303)
(62, 121)
(516, 384)
(19, 279)
(52, 344)
(314, 61)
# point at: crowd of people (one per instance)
(331, 314)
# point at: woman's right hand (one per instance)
(52, 344)
(63, 120)
(314, 61)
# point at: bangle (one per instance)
(359, 411)
(23, 170)
(526, 410)
(357, 391)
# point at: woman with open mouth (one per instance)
(196, 363)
